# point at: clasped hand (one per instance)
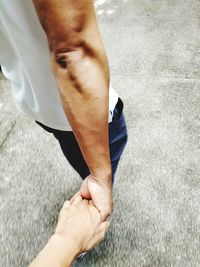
(100, 192)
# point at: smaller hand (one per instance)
(81, 222)
(100, 192)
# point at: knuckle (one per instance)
(108, 211)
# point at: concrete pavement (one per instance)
(154, 54)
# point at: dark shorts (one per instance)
(117, 142)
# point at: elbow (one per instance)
(66, 55)
(64, 58)
(63, 51)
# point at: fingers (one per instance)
(77, 200)
(91, 203)
(66, 204)
(99, 236)
(95, 215)
(106, 211)
(74, 197)
(104, 226)
(105, 215)
(103, 229)
(101, 215)
(85, 202)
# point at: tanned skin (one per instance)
(81, 70)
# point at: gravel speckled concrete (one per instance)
(154, 54)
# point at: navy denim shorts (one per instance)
(117, 142)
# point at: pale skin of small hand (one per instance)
(82, 222)
(78, 230)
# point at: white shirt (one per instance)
(25, 62)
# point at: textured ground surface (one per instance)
(154, 52)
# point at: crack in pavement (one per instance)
(8, 133)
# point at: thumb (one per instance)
(84, 190)
(101, 197)
(74, 197)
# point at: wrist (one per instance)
(103, 174)
(66, 249)
(58, 252)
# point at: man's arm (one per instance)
(81, 69)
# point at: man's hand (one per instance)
(100, 192)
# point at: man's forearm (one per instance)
(82, 73)
(84, 85)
